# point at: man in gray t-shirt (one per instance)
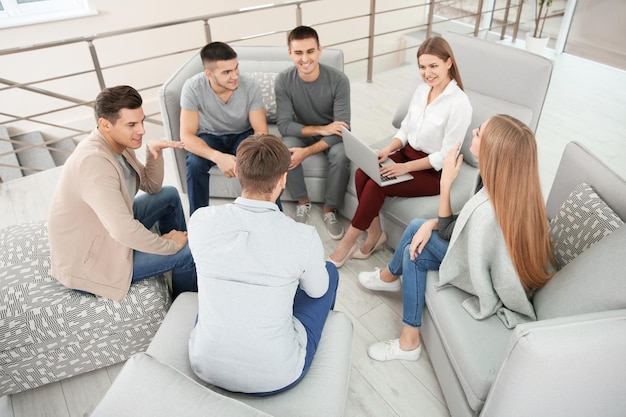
(313, 102)
(219, 109)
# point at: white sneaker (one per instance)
(303, 212)
(390, 350)
(371, 281)
(333, 227)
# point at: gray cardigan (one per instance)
(478, 262)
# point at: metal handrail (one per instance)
(98, 69)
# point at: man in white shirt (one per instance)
(264, 289)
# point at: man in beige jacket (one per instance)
(99, 230)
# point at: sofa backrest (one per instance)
(594, 280)
(497, 79)
(579, 165)
(254, 60)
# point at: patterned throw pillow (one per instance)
(583, 220)
(266, 80)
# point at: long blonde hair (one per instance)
(509, 169)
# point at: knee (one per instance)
(171, 195)
(416, 223)
(333, 275)
(196, 163)
(337, 154)
(291, 141)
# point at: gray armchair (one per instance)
(497, 79)
(263, 63)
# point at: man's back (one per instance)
(250, 260)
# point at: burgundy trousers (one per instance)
(372, 197)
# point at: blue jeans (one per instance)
(312, 313)
(414, 272)
(165, 210)
(198, 167)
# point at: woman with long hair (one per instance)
(497, 248)
(438, 117)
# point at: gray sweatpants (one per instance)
(338, 172)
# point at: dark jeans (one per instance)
(198, 167)
(165, 210)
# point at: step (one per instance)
(61, 150)
(34, 157)
(6, 173)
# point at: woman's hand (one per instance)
(421, 238)
(451, 165)
(383, 154)
(395, 170)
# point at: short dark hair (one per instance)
(261, 160)
(113, 99)
(302, 32)
(216, 51)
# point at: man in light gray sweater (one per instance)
(313, 102)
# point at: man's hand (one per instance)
(226, 163)
(297, 156)
(155, 146)
(333, 128)
(180, 238)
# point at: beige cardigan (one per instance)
(91, 226)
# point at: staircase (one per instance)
(29, 153)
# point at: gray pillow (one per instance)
(266, 81)
(594, 281)
(583, 220)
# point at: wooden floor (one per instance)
(586, 102)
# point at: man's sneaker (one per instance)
(303, 212)
(333, 226)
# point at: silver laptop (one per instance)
(366, 158)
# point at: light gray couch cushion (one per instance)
(475, 348)
(570, 367)
(148, 388)
(583, 220)
(322, 392)
(594, 281)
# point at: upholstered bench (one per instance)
(49, 332)
(322, 392)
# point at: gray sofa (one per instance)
(175, 390)
(497, 79)
(570, 362)
(263, 63)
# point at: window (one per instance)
(26, 12)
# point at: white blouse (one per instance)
(436, 127)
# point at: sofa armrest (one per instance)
(570, 366)
(148, 387)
